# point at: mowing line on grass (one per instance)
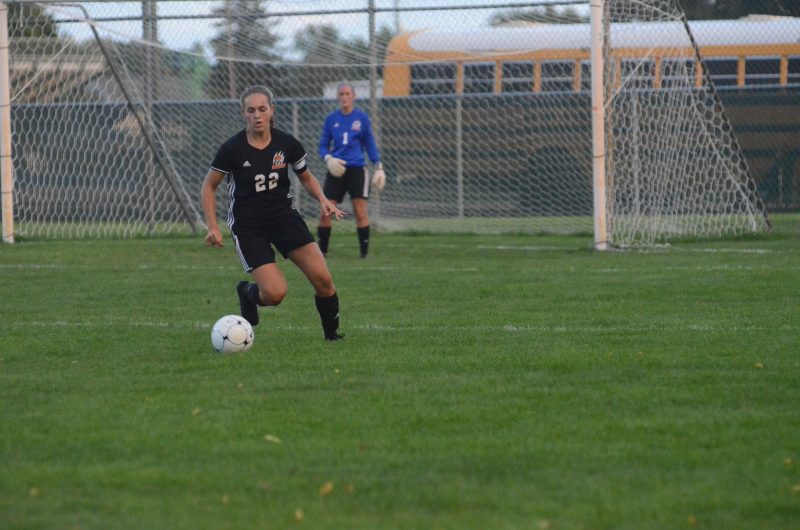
(379, 328)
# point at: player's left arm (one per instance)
(311, 185)
(369, 142)
(378, 176)
(297, 153)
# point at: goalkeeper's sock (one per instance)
(324, 235)
(328, 308)
(363, 240)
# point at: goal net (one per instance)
(117, 110)
(674, 166)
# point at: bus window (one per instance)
(433, 78)
(518, 77)
(794, 70)
(478, 78)
(557, 76)
(723, 71)
(586, 76)
(677, 71)
(637, 73)
(762, 71)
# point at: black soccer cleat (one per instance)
(247, 307)
(334, 337)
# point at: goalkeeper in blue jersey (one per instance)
(346, 135)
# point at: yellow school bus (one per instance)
(555, 57)
(529, 85)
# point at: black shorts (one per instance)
(286, 235)
(354, 182)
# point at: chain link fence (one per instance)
(117, 108)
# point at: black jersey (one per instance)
(258, 179)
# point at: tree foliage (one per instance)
(245, 33)
(546, 15)
(29, 21)
(329, 57)
(729, 9)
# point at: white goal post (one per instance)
(598, 127)
(605, 124)
(666, 161)
(6, 166)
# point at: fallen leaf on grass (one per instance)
(272, 439)
(298, 514)
(326, 488)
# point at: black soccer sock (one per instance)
(328, 308)
(252, 294)
(363, 239)
(324, 235)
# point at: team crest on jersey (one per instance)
(356, 125)
(278, 161)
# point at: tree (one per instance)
(245, 32)
(727, 9)
(547, 14)
(327, 57)
(29, 21)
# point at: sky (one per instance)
(182, 34)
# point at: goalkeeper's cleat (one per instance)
(334, 337)
(247, 307)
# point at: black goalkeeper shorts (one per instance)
(354, 182)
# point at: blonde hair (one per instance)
(263, 90)
(346, 84)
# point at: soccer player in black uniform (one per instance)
(256, 162)
(346, 134)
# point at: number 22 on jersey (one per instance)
(261, 181)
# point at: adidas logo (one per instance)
(246, 164)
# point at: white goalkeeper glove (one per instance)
(379, 177)
(335, 165)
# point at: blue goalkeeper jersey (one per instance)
(351, 135)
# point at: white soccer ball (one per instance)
(232, 333)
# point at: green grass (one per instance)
(486, 382)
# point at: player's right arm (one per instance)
(325, 139)
(208, 200)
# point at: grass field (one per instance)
(486, 382)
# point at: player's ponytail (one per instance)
(260, 89)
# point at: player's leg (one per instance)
(334, 190)
(258, 258)
(269, 288)
(271, 285)
(297, 244)
(310, 261)
(358, 187)
(362, 225)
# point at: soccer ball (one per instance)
(232, 333)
